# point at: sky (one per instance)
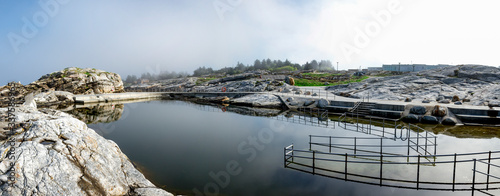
(134, 37)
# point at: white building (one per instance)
(411, 67)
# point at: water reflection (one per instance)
(97, 113)
(184, 145)
(464, 131)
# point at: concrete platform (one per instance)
(84, 99)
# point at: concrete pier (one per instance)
(84, 99)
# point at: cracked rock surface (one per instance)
(472, 84)
(57, 154)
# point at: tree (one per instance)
(325, 65)
(314, 65)
(240, 67)
(287, 63)
(307, 66)
(131, 79)
(279, 63)
(297, 66)
(203, 71)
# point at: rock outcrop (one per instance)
(80, 81)
(475, 84)
(57, 154)
(259, 100)
(60, 86)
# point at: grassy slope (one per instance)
(306, 82)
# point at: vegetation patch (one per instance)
(321, 75)
(284, 68)
(307, 82)
(203, 80)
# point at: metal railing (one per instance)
(336, 165)
(355, 107)
(373, 146)
(487, 174)
(372, 125)
(303, 119)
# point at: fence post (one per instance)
(454, 171)
(488, 176)
(345, 171)
(426, 142)
(418, 171)
(381, 162)
(354, 145)
(330, 146)
(284, 157)
(380, 146)
(435, 144)
(314, 166)
(418, 134)
(473, 177)
(310, 142)
(409, 138)
(383, 127)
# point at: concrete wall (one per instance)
(411, 67)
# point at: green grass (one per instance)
(203, 80)
(306, 82)
(284, 68)
(314, 75)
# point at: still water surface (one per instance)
(182, 147)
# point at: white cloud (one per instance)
(128, 36)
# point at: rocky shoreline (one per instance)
(92, 165)
(56, 154)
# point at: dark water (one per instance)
(187, 148)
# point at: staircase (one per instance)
(363, 108)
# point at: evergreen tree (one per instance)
(314, 65)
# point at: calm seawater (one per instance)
(189, 149)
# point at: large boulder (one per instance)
(289, 80)
(51, 97)
(309, 102)
(419, 110)
(60, 155)
(444, 101)
(439, 111)
(430, 120)
(322, 103)
(411, 118)
(449, 121)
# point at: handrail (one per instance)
(355, 107)
(487, 174)
(409, 156)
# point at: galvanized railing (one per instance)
(422, 176)
(372, 125)
(307, 119)
(376, 145)
(487, 174)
